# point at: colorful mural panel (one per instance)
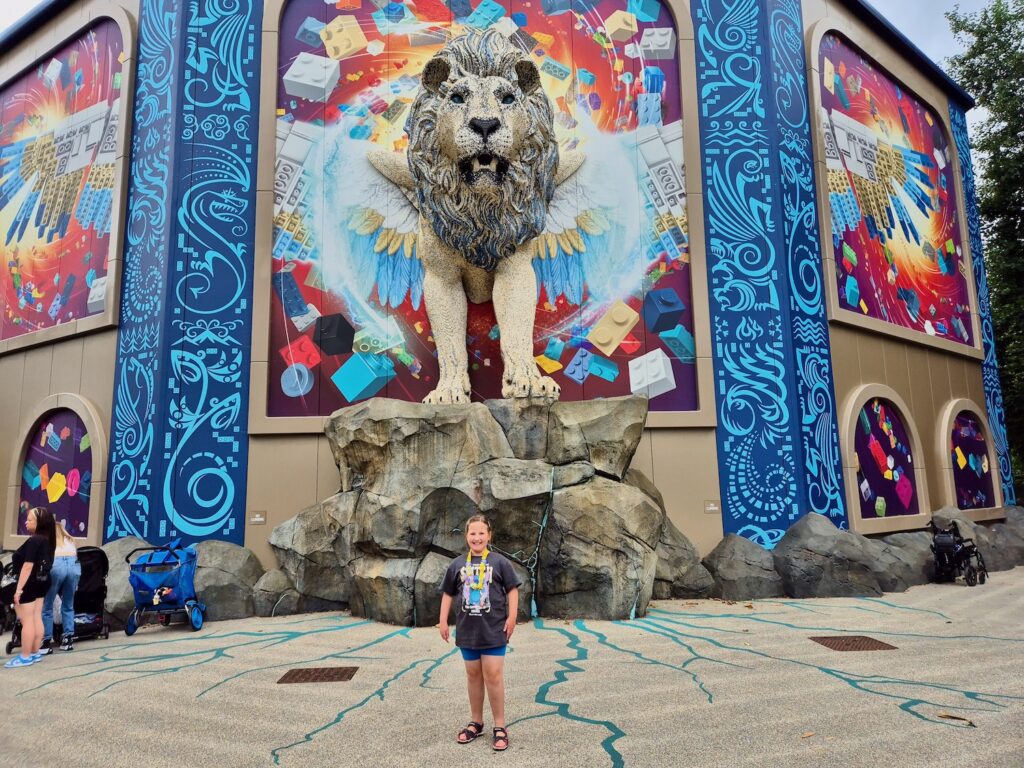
(348, 316)
(57, 472)
(58, 156)
(885, 472)
(899, 253)
(972, 475)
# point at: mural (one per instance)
(972, 474)
(895, 223)
(58, 152)
(347, 311)
(57, 472)
(885, 472)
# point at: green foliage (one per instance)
(992, 69)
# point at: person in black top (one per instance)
(32, 564)
(485, 591)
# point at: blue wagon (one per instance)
(163, 580)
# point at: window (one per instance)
(57, 472)
(885, 463)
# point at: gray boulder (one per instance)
(742, 570)
(996, 558)
(525, 424)
(383, 589)
(815, 559)
(573, 473)
(1009, 541)
(275, 595)
(916, 549)
(679, 572)
(604, 432)
(225, 576)
(427, 589)
(597, 557)
(310, 551)
(120, 600)
(1014, 516)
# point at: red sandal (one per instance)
(500, 734)
(470, 732)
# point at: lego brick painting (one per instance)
(898, 251)
(58, 153)
(972, 475)
(348, 322)
(57, 472)
(885, 472)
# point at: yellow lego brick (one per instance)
(544, 39)
(863, 307)
(887, 474)
(961, 460)
(613, 327)
(343, 37)
(547, 364)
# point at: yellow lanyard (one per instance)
(475, 573)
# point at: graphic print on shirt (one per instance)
(476, 588)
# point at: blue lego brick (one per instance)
(644, 10)
(586, 77)
(662, 309)
(460, 8)
(363, 375)
(394, 12)
(579, 367)
(309, 32)
(594, 100)
(554, 349)
(485, 14)
(603, 368)
(680, 343)
(558, 7)
(654, 79)
(519, 19)
(30, 474)
(648, 109)
(852, 291)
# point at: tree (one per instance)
(992, 69)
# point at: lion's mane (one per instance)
(484, 229)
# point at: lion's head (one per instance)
(482, 147)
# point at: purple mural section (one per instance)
(57, 472)
(972, 474)
(885, 475)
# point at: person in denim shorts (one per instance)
(64, 578)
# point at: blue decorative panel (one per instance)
(179, 447)
(134, 472)
(989, 367)
(812, 366)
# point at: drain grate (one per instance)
(318, 675)
(854, 643)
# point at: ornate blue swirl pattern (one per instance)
(989, 366)
(180, 419)
(137, 401)
(813, 364)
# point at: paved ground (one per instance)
(695, 683)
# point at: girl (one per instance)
(487, 591)
(63, 581)
(32, 565)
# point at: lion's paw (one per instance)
(530, 386)
(446, 396)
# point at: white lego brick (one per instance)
(312, 77)
(97, 295)
(51, 75)
(651, 374)
(658, 43)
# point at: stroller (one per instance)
(89, 599)
(163, 582)
(956, 556)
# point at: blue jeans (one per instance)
(64, 578)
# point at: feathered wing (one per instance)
(593, 243)
(367, 232)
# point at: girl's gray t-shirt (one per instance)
(480, 613)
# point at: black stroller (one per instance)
(89, 598)
(956, 556)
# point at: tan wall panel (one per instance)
(66, 366)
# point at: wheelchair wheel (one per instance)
(165, 619)
(971, 576)
(9, 648)
(982, 575)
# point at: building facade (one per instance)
(786, 258)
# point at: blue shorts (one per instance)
(472, 654)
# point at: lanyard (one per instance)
(475, 573)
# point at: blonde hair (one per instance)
(63, 537)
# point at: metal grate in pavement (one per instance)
(853, 643)
(318, 675)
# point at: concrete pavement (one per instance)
(694, 683)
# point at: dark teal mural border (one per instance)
(989, 366)
(179, 438)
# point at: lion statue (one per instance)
(481, 169)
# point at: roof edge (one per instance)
(867, 13)
(30, 22)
